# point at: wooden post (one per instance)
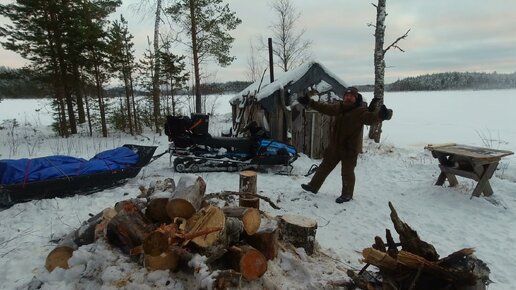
(248, 180)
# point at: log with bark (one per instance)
(299, 231)
(250, 217)
(266, 239)
(248, 180)
(84, 235)
(187, 197)
(247, 261)
(158, 194)
(128, 228)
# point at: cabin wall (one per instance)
(311, 133)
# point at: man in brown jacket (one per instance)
(350, 117)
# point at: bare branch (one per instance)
(395, 43)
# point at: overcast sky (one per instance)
(446, 35)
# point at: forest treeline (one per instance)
(19, 83)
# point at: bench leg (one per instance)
(483, 183)
(451, 179)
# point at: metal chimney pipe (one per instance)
(271, 62)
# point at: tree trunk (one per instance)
(299, 231)
(155, 78)
(379, 66)
(79, 96)
(248, 180)
(187, 197)
(248, 261)
(195, 53)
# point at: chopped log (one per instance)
(133, 202)
(156, 210)
(84, 235)
(248, 179)
(410, 240)
(187, 197)
(248, 261)
(167, 260)
(58, 257)
(266, 239)
(168, 185)
(299, 231)
(155, 243)
(208, 217)
(225, 279)
(128, 228)
(250, 217)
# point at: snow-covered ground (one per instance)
(398, 170)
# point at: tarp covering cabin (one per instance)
(273, 106)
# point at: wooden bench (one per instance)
(471, 162)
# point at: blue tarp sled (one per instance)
(58, 176)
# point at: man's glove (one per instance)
(373, 105)
(304, 100)
(384, 113)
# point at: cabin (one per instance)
(274, 106)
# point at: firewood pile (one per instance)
(168, 225)
(417, 265)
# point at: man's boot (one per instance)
(342, 199)
(308, 187)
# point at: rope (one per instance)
(312, 170)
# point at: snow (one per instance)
(398, 170)
(261, 89)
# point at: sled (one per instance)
(62, 176)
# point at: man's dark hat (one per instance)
(351, 90)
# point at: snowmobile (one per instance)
(195, 150)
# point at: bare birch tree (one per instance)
(379, 64)
(288, 43)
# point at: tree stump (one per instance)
(248, 261)
(265, 239)
(248, 179)
(187, 197)
(299, 231)
(250, 217)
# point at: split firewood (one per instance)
(250, 217)
(266, 239)
(410, 240)
(379, 259)
(247, 261)
(187, 197)
(128, 228)
(207, 217)
(299, 231)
